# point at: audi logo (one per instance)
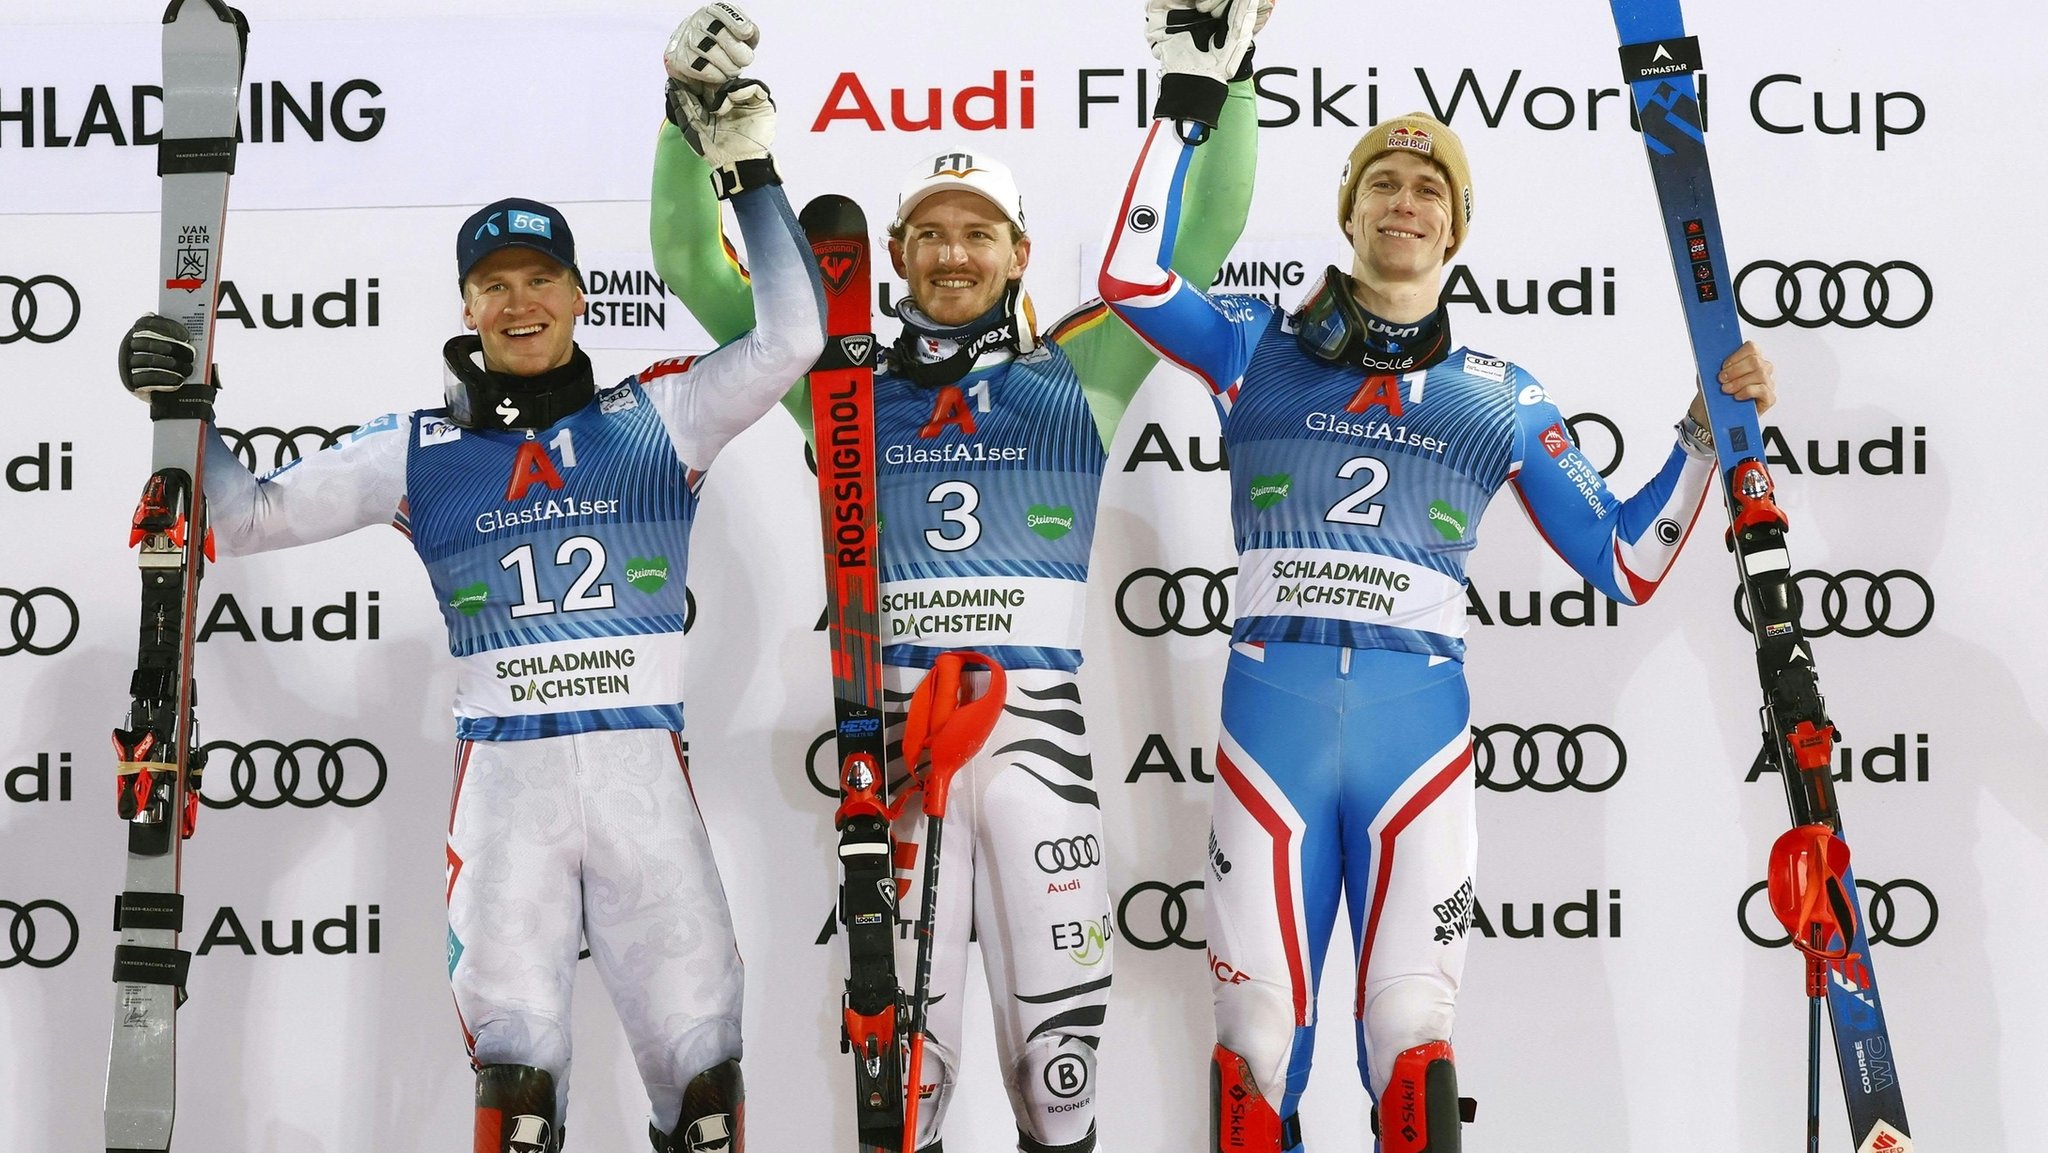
(1810, 294)
(1578, 425)
(1902, 913)
(1190, 601)
(1548, 758)
(1897, 603)
(303, 774)
(32, 299)
(1068, 854)
(33, 621)
(287, 447)
(1160, 926)
(32, 940)
(825, 777)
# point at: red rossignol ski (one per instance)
(843, 419)
(204, 44)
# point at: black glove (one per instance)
(156, 356)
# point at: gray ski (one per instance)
(205, 42)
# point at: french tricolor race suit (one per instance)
(988, 499)
(1344, 761)
(559, 557)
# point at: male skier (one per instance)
(1363, 445)
(573, 818)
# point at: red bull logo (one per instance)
(1413, 139)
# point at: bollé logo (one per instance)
(31, 783)
(270, 112)
(334, 936)
(336, 309)
(977, 108)
(330, 622)
(40, 470)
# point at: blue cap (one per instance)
(527, 223)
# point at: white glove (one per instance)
(1201, 46)
(731, 127)
(712, 47)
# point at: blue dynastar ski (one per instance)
(1659, 61)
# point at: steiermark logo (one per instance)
(1268, 491)
(1048, 522)
(647, 573)
(469, 599)
(1447, 521)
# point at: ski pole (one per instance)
(1809, 897)
(952, 729)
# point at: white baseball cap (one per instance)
(982, 175)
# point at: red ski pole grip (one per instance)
(948, 725)
(1805, 883)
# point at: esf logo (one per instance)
(1152, 602)
(38, 621)
(337, 309)
(334, 936)
(307, 112)
(340, 621)
(1154, 756)
(266, 774)
(41, 934)
(1568, 919)
(1882, 764)
(31, 783)
(1902, 913)
(264, 448)
(41, 309)
(32, 471)
(1581, 608)
(1548, 758)
(1857, 603)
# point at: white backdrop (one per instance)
(1639, 1017)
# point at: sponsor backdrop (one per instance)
(1627, 990)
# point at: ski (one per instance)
(843, 419)
(204, 45)
(1659, 61)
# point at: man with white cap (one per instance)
(553, 517)
(1363, 445)
(991, 446)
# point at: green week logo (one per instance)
(1268, 491)
(1447, 521)
(647, 573)
(1048, 522)
(469, 599)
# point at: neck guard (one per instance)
(482, 399)
(932, 354)
(1331, 326)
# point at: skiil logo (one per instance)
(43, 310)
(1902, 913)
(266, 774)
(1858, 603)
(1852, 294)
(1154, 915)
(1152, 602)
(1067, 854)
(1603, 449)
(1548, 758)
(40, 934)
(40, 621)
(265, 448)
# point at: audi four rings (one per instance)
(1902, 913)
(1068, 854)
(1189, 601)
(1810, 294)
(291, 444)
(41, 621)
(37, 307)
(36, 940)
(1897, 603)
(1548, 758)
(349, 773)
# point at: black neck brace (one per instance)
(999, 327)
(1331, 326)
(482, 399)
